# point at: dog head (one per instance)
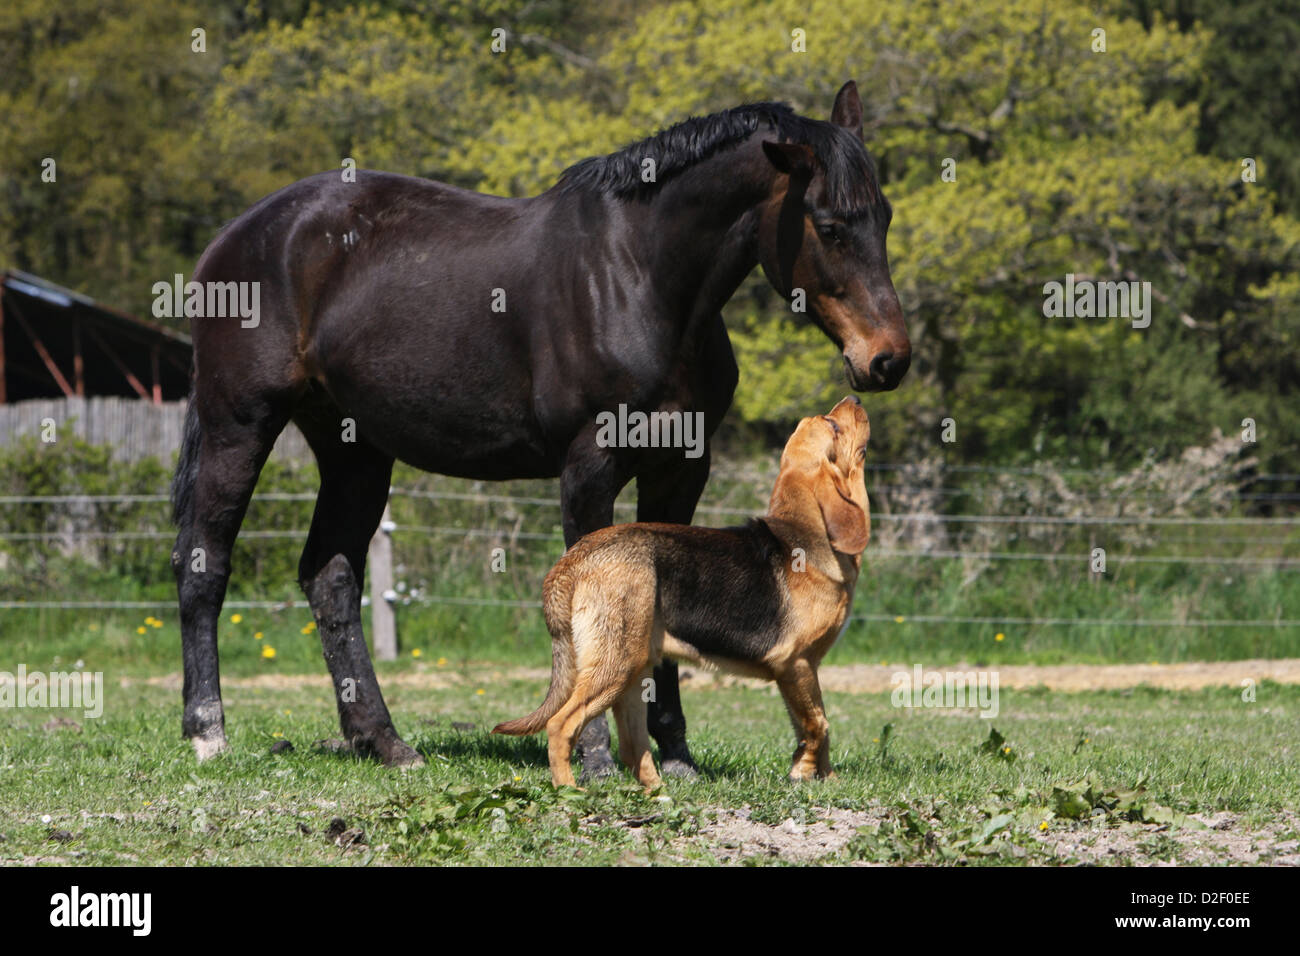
(822, 476)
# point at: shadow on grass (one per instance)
(531, 752)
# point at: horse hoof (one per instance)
(402, 756)
(209, 745)
(676, 767)
(597, 766)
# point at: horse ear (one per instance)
(847, 111)
(790, 158)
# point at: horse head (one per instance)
(822, 234)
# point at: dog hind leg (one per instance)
(633, 732)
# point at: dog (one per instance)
(766, 600)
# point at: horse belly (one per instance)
(438, 419)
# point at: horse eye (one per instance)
(830, 231)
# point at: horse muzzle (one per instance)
(883, 374)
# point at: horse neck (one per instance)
(702, 233)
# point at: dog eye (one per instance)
(834, 424)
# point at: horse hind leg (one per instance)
(219, 464)
(353, 492)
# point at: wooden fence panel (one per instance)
(136, 429)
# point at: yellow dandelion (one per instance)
(268, 652)
(480, 692)
(236, 618)
(442, 662)
(875, 740)
(899, 619)
(157, 623)
(277, 734)
(517, 779)
(1043, 825)
(288, 713)
(257, 635)
(140, 629)
(999, 637)
(417, 652)
(148, 803)
(1006, 750)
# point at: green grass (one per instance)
(125, 788)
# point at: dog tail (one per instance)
(557, 605)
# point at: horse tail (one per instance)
(557, 605)
(187, 465)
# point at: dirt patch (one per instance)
(879, 678)
(1174, 677)
(1225, 841)
(732, 835)
(848, 678)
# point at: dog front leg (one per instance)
(803, 699)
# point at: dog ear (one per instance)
(847, 522)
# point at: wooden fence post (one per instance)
(383, 622)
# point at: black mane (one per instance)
(851, 184)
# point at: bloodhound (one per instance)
(767, 600)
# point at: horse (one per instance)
(482, 337)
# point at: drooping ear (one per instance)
(847, 523)
(796, 160)
(847, 111)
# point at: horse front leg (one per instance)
(670, 493)
(589, 483)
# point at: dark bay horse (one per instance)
(477, 336)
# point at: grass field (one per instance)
(1122, 777)
(1135, 775)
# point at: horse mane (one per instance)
(851, 184)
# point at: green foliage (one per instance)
(1116, 165)
(53, 551)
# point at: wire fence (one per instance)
(1221, 524)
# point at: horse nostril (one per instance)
(889, 369)
(879, 367)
